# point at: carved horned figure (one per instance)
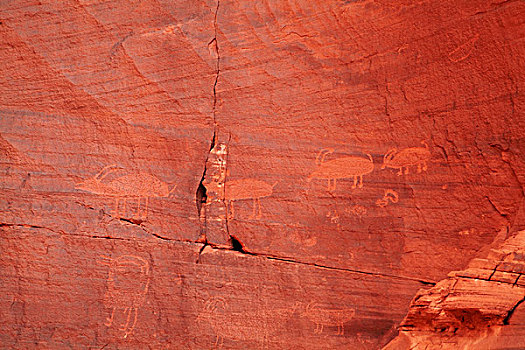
(328, 317)
(231, 325)
(412, 156)
(138, 185)
(241, 190)
(127, 286)
(341, 168)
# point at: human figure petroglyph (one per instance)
(390, 195)
(341, 168)
(127, 286)
(412, 156)
(328, 317)
(138, 185)
(242, 190)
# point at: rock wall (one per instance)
(282, 174)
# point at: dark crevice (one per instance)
(132, 221)
(506, 320)
(158, 236)
(201, 195)
(218, 67)
(516, 281)
(237, 246)
(108, 237)
(269, 257)
(200, 251)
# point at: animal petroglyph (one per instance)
(463, 51)
(245, 325)
(127, 286)
(390, 195)
(412, 156)
(341, 168)
(138, 185)
(357, 210)
(334, 217)
(241, 190)
(328, 317)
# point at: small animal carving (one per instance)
(138, 185)
(232, 325)
(241, 190)
(328, 317)
(341, 168)
(390, 195)
(127, 286)
(464, 50)
(357, 210)
(412, 156)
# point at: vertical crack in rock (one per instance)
(227, 222)
(215, 45)
(506, 320)
(201, 195)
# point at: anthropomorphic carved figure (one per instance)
(341, 168)
(127, 286)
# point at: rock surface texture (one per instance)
(270, 174)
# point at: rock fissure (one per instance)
(215, 45)
(201, 196)
(506, 320)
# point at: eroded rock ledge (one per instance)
(471, 308)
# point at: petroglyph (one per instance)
(138, 185)
(334, 217)
(341, 168)
(242, 190)
(412, 156)
(357, 210)
(127, 286)
(328, 317)
(245, 325)
(463, 51)
(390, 195)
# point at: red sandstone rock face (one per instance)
(258, 174)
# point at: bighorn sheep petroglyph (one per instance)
(328, 317)
(412, 156)
(137, 185)
(342, 168)
(241, 190)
